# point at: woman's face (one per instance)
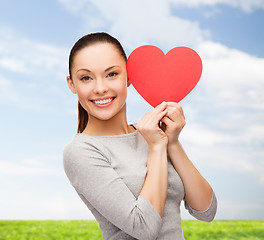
(99, 78)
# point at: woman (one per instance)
(132, 177)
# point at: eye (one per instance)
(85, 78)
(111, 74)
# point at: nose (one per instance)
(100, 87)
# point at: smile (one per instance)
(104, 101)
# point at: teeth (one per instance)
(103, 101)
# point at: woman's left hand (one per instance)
(173, 122)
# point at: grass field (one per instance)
(84, 230)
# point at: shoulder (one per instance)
(84, 146)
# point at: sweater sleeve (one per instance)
(89, 170)
(206, 215)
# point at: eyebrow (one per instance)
(87, 70)
(111, 67)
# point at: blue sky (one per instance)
(224, 134)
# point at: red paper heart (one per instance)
(158, 77)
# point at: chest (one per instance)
(130, 163)
(131, 166)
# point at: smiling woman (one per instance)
(133, 177)
(81, 75)
(101, 84)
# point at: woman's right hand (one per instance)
(149, 128)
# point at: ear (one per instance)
(128, 82)
(71, 85)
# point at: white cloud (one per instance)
(8, 92)
(75, 6)
(51, 207)
(201, 135)
(210, 148)
(12, 94)
(41, 165)
(22, 55)
(24, 169)
(13, 64)
(152, 22)
(232, 76)
(240, 209)
(31, 71)
(245, 5)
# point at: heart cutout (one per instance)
(158, 77)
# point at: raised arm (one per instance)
(156, 182)
(198, 193)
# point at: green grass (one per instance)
(224, 230)
(84, 230)
(55, 230)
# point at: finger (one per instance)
(172, 104)
(173, 125)
(159, 107)
(153, 117)
(175, 112)
(160, 116)
(166, 120)
(176, 105)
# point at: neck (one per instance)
(117, 125)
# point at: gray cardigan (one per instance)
(108, 173)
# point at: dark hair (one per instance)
(85, 41)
